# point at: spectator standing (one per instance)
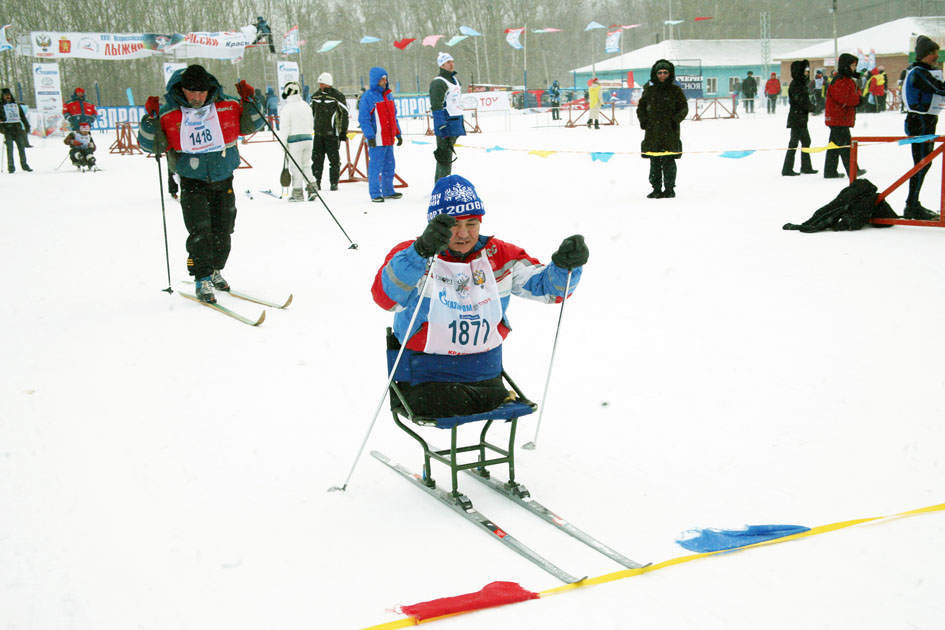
(445, 92)
(378, 119)
(842, 100)
(772, 91)
(920, 87)
(801, 106)
(14, 126)
(296, 133)
(736, 93)
(661, 109)
(594, 101)
(749, 90)
(330, 113)
(554, 95)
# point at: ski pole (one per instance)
(167, 256)
(302, 171)
(390, 379)
(63, 161)
(530, 446)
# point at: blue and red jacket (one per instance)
(396, 289)
(377, 114)
(234, 120)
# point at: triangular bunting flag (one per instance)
(603, 156)
(495, 148)
(401, 44)
(456, 39)
(735, 154)
(431, 40)
(329, 45)
(543, 154)
(465, 30)
(368, 39)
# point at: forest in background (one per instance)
(485, 59)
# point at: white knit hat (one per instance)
(443, 58)
(325, 77)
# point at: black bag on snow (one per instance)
(850, 210)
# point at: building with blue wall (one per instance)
(713, 63)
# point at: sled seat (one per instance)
(487, 453)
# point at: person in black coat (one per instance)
(749, 89)
(801, 107)
(14, 126)
(330, 113)
(660, 110)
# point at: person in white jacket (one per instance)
(296, 133)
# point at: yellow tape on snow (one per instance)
(628, 573)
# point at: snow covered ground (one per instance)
(163, 467)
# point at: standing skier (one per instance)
(199, 126)
(447, 114)
(919, 88)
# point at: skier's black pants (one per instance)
(841, 137)
(663, 172)
(555, 112)
(772, 103)
(919, 125)
(81, 157)
(802, 136)
(19, 137)
(326, 146)
(443, 156)
(441, 400)
(210, 216)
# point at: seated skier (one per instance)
(81, 146)
(454, 350)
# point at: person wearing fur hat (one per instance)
(296, 133)
(801, 107)
(81, 147)
(447, 113)
(594, 102)
(923, 91)
(840, 115)
(330, 113)
(14, 126)
(454, 350)
(78, 110)
(377, 116)
(662, 107)
(772, 91)
(199, 126)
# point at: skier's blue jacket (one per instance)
(396, 289)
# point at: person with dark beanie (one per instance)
(199, 126)
(920, 89)
(14, 126)
(801, 107)
(843, 97)
(661, 108)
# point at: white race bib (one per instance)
(200, 130)
(465, 310)
(453, 93)
(12, 112)
(83, 140)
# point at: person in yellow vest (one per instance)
(594, 101)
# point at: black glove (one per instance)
(571, 254)
(436, 236)
(371, 143)
(400, 141)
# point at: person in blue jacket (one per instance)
(377, 116)
(554, 95)
(445, 92)
(272, 106)
(923, 81)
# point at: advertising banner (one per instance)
(220, 45)
(55, 44)
(47, 88)
(286, 71)
(691, 84)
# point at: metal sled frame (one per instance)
(488, 454)
(854, 149)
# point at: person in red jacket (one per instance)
(877, 89)
(772, 91)
(79, 110)
(840, 115)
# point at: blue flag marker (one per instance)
(495, 148)
(917, 139)
(603, 156)
(703, 540)
(735, 154)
